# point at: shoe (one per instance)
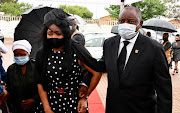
(174, 72)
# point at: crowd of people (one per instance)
(172, 50)
(63, 74)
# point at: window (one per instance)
(96, 42)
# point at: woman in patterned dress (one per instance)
(58, 67)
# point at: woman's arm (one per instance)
(94, 80)
(44, 99)
(82, 105)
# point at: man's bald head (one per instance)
(138, 12)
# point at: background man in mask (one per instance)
(138, 73)
(76, 35)
(167, 47)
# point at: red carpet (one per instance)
(95, 103)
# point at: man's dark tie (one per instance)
(122, 59)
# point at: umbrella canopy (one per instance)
(159, 25)
(30, 27)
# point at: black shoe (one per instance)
(176, 70)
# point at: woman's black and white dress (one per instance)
(63, 86)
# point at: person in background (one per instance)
(3, 77)
(176, 53)
(167, 47)
(76, 35)
(148, 34)
(58, 67)
(137, 68)
(1, 37)
(21, 85)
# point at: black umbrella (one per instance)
(159, 25)
(30, 27)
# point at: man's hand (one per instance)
(27, 104)
(82, 105)
(83, 91)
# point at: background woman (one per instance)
(58, 67)
(176, 53)
(21, 86)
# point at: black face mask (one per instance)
(56, 42)
(165, 39)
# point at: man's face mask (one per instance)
(127, 31)
(165, 39)
(21, 60)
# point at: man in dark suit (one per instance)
(141, 83)
(167, 47)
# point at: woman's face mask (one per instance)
(21, 56)
(56, 42)
(21, 60)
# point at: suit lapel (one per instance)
(114, 49)
(135, 54)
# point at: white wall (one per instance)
(8, 27)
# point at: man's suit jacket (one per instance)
(145, 83)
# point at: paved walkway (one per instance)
(102, 86)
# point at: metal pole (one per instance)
(156, 35)
(121, 5)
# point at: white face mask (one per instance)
(127, 31)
